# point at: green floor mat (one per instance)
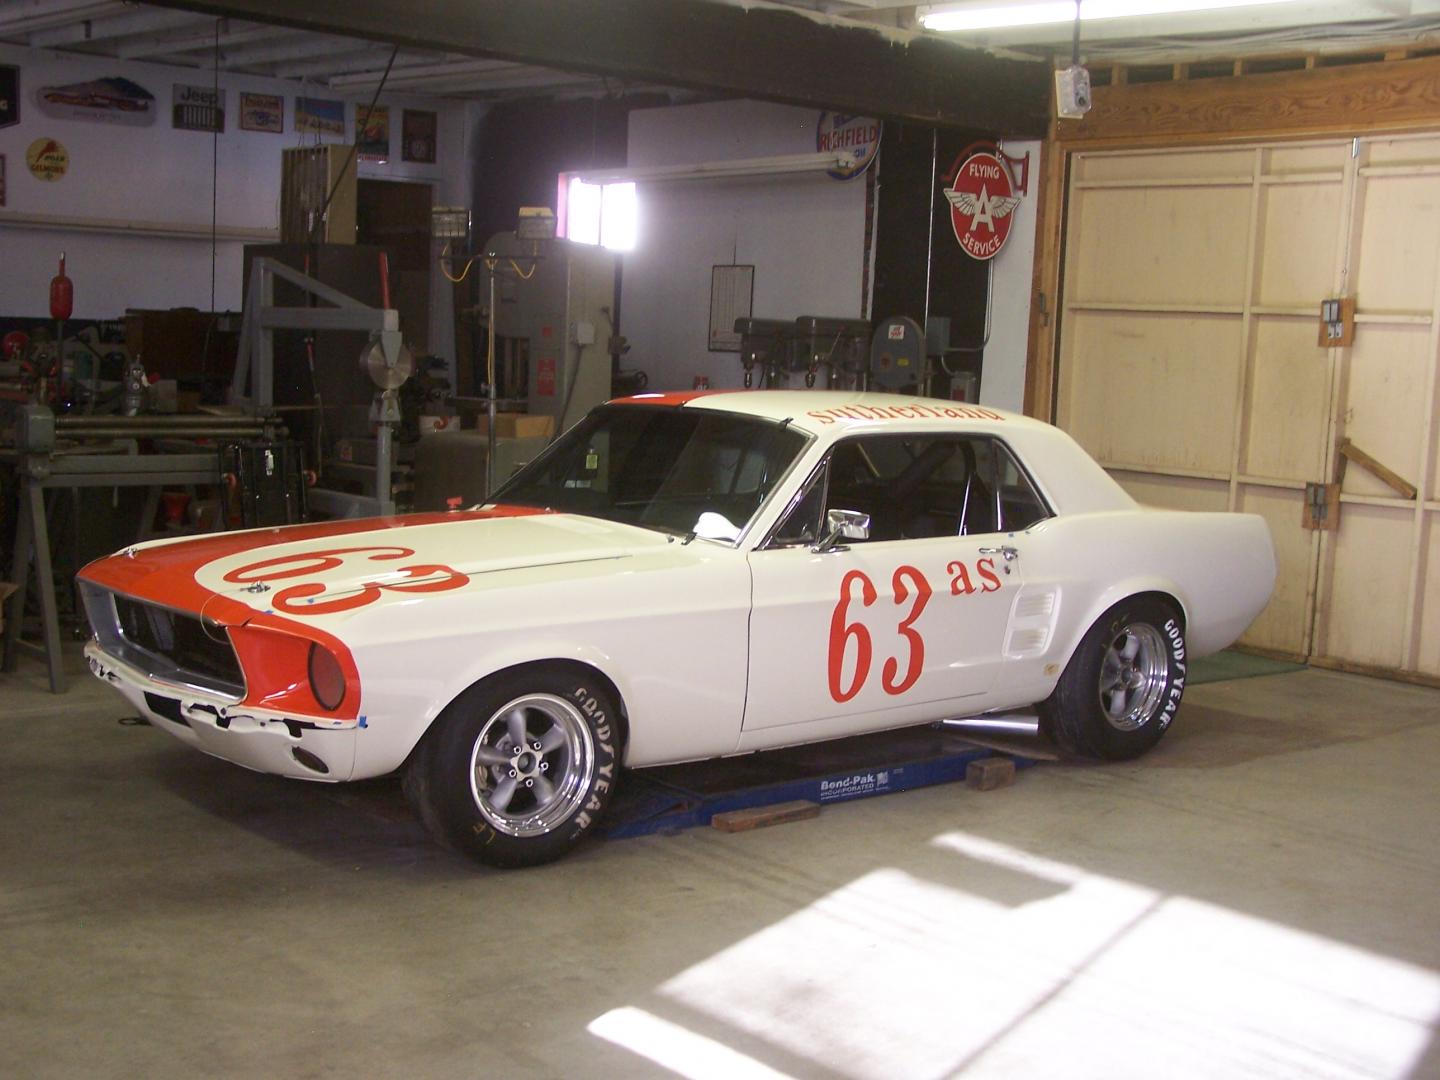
(1231, 664)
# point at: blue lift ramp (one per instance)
(674, 797)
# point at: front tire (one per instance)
(519, 768)
(1120, 691)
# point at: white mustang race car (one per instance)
(683, 576)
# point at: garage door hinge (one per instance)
(1322, 506)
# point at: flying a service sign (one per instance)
(982, 200)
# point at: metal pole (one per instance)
(490, 377)
(384, 454)
(925, 369)
(199, 431)
(71, 422)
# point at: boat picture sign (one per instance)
(983, 196)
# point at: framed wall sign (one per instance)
(372, 133)
(320, 116)
(111, 100)
(262, 112)
(732, 296)
(418, 130)
(9, 95)
(198, 108)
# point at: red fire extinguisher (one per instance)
(62, 294)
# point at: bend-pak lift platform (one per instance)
(675, 797)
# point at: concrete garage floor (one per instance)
(1257, 898)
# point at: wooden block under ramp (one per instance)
(990, 773)
(757, 817)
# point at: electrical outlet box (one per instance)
(1337, 322)
(582, 333)
(1072, 92)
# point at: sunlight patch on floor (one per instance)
(678, 1049)
(1036, 965)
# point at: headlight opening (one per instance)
(327, 679)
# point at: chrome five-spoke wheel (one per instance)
(1133, 674)
(1119, 692)
(530, 765)
(520, 767)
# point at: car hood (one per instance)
(330, 569)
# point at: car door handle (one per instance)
(1010, 553)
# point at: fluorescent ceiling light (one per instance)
(719, 170)
(949, 18)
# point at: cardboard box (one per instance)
(513, 425)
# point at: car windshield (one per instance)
(681, 470)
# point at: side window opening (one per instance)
(1000, 497)
(915, 487)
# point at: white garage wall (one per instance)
(1003, 384)
(803, 233)
(158, 176)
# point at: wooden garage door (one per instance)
(1190, 365)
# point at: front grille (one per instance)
(178, 647)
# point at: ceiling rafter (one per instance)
(36, 16)
(290, 46)
(360, 56)
(199, 40)
(420, 74)
(128, 25)
(762, 50)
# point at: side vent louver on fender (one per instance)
(1032, 621)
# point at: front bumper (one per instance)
(258, 739)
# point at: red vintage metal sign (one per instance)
(982, 201)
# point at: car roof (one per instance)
(1069, 478)
(835, 411)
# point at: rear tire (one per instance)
(519, 768)
(1121, 689)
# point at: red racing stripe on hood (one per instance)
(166, 574)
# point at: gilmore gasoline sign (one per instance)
(982, 199)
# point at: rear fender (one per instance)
(1150, 585)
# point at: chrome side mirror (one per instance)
(843, 525)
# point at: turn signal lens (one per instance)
(327, 681)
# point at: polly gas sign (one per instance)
(982, 200)
(858, 136)
(47, 159)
